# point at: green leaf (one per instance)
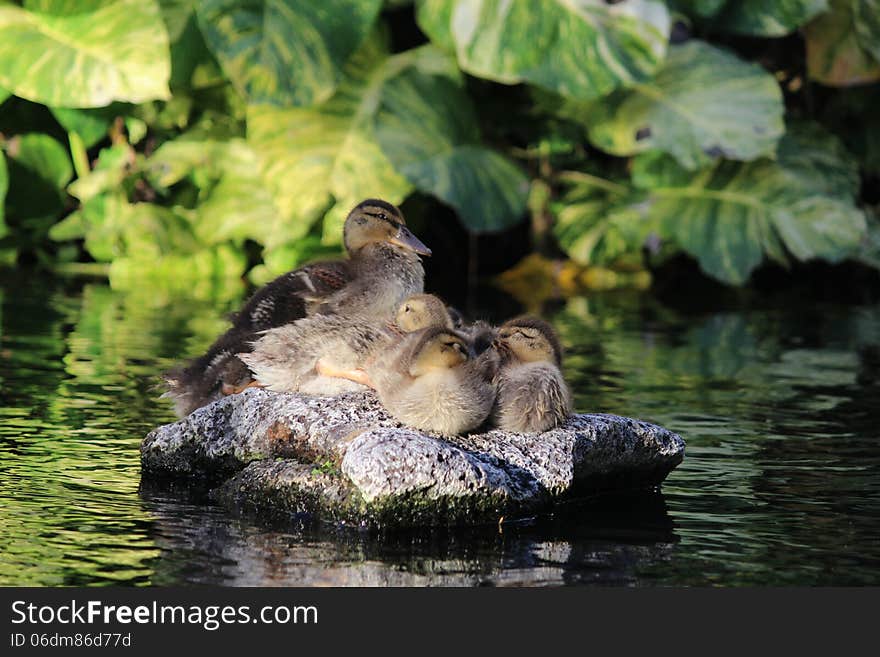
(580, 50)
(867, 21)
(90, 124)
(702, 8)
(43, 156)
(842, 46)
(39, 168)
(704, 103)
(285, 52)
(754, 17)
(730, 215)
(592, 231)
(84, 55)
(113, 166)
(428, 129)
(312, 157)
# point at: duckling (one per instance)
(431, 381)
(382, 270)
(532, 395)
(286, 359)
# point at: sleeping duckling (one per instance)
(431, 381)
(382, 270)
(532, 395)
(285, 359)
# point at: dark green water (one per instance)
(779, 404)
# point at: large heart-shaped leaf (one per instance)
(84, 54)
(705, 102)
(312, 157)
(579, 49)
(428, 129)
(842, 44)
(754, 17)
(730, 215)
(285, 52)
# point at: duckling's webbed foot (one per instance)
(325, 368)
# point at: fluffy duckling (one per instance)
(382, 270)
(286, 359)
(431, 381)
(532, 395)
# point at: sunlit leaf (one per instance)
(84, 54)
(90, 124)
(111, 168)
(581, 50)
(704, 103)
(312, 157)
(285, 52)
(842, 45)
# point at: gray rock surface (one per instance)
(346, 459)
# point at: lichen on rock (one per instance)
(346, 459)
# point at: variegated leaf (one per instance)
(580, 50)
(87, 54)
(842, 45)
(428, 130)
(315, 156)
(285, 52)
(753, 17)
(730, 216)
(704, 103)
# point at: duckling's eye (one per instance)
(383, 216)
(406, 309)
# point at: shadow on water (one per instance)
(777, 398)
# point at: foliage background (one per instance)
(185, 146)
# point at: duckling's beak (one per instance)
(407, 240)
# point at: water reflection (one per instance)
(780, 483)
(605, 541)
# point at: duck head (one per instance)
(422, 311)
(373, 221)
(530, 340)
(438, 349)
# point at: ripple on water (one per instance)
(780, 483)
